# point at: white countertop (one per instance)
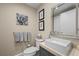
(74, 52)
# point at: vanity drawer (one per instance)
(44, 52)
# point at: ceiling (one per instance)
(34, 5)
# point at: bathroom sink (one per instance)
(60, 45)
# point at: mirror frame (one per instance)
(76, 5)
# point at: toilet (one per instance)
(32, 50)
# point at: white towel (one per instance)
(29, 36)
(21, 36)
(16, 36)
(25, 36)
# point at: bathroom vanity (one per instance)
(48, 51)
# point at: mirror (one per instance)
(65, 19)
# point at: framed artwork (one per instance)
(21, 19)
(41, 14)
(41, 25)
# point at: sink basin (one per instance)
(60, 45)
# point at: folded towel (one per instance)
(16, 36)
(25, 36)
(29, 36)
(21, 36)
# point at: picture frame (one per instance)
(41, 14)
(21, 19)
(41, 25)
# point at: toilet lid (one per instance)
(30, 49)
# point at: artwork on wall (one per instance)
(41, 20)
(41, 25)
(41, 14)
(21, 19)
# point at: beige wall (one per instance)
(8, 26)
(48, 18)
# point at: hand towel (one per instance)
(21, 36)
(25, 36)
(16, 36)
(29, 36)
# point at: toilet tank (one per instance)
(38, 41)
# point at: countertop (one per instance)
(74, 51)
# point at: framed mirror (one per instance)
(65, 19)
